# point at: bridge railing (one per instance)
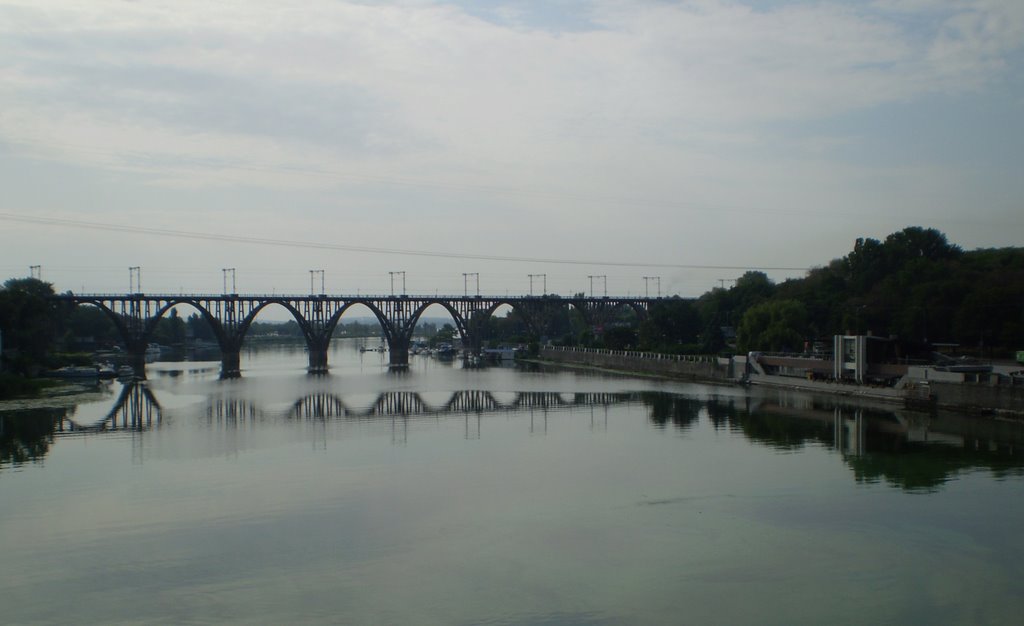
(349, 296)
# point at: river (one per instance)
(498, 495)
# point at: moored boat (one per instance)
(77, 372)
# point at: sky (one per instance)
(472, 144)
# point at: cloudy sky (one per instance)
(622, 138)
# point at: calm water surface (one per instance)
(498, 496)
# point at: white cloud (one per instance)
(658, 112)
(429, 82)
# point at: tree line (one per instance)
(914, 286)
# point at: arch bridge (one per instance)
(231, 315)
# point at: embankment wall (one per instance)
(1005, 399)
(709, 368)
(979, 396)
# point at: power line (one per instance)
(335, 174)
(184, 234)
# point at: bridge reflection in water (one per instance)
(399, 407)
(136, 408)
(897, 447)
(412, 404)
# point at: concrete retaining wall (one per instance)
(676, 366)
(980, 396)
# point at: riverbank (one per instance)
(14, 387)
(974, 397)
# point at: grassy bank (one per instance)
(13, 387)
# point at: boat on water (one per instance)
(76, 372)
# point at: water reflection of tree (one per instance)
(26, 436)
(907, 453)
(680, 411)
(924, 467)
(721, 412)
(782, 432)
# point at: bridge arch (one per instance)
(461, 323)
(117, 320)
(385, 323)
(167, 305)
(246, 323)
(528, 314)
(523, 311)
(136, 329)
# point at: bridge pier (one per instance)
(137, 361)
(230, 364)
(317, 359)
(398, 350)
(474, 343)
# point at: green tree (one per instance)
(170, 330)
(778, 325)
(866, 264)
(30, 322)
(915, 242)
(750, 289)
(620, 338)
(672, 325)
(200, 328)
(91, 322)
(444, 335)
